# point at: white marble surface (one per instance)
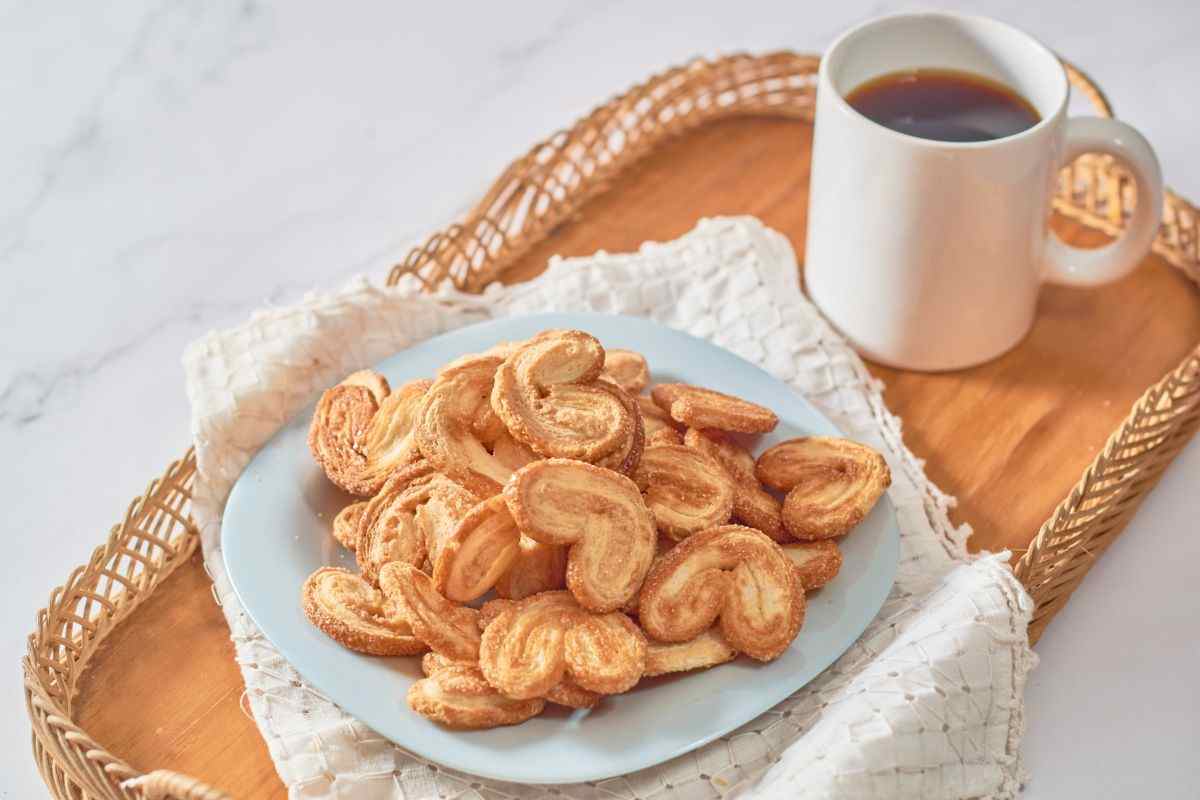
(167, 167)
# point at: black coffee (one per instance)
(944, 104)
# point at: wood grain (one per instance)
(1008, 438)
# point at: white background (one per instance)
(165, 168)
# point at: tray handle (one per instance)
(164, 784)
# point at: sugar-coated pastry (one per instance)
(599, 514)
(685, 490)
(627, 369)
(458, 696)
(445, 431)
(356, 615)
(547, 394)
(532, 645)
(705, 408)
(816, 563)
(831, 483)
(536, 568)
(361, 431)
(753, 505)
(345, 525)
(481, 549)
(706, 650)
(663, 435)
(627, 455)
(388, 528)
(732, 575)
(447, 628)
(511, 453)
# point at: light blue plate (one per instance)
(276, 532)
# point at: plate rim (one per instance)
(890, 556)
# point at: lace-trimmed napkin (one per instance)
(927, 703)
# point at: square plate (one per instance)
(276, 531)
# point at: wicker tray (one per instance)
(606, 182)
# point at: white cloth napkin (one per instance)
(926, 704)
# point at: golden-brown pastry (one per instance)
(445, 431)
(706, 650)
(753, 505)
(537, 568)
(388, 529)
(443, 506)
(572, 695)
(566, 693)
(732, 575)
(511, 453)
(345, 525)
(627, 369)
(602, 517)
(816, 563)
(478, 553)
(654, 419)
(532, 645)
(491, 609)
(686, 490)
(605, 653)
(449, 629)
(355, 614)
(831, 483)
(432, 661)
(627, 455)
(361, 432)
(458, 696)
(705, 408)
(546, 393)
(663, 435)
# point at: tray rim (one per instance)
(531, 198)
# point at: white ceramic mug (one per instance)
(929, 255)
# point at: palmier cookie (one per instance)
(685, 490)
(831, 483)
(753, 505)
(658, 423)
(627, 369)
(532, 645)
(388, 529)
(355, 614)
(816, 563)
(629, 453)
(478, 553)
(705, 408)
(706, 650)
(731, 575)
(444, 429)
(361, 431)
(566, 693)
(439, 514)
(547, 394)
(449, 629)
(511, 453)
(345, 525)
(599, 514)
(537, 568)
(458, 696)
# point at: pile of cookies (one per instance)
(620, 535)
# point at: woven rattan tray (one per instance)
(1077, 423)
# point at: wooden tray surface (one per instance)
(1009, 438)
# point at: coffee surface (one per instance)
(944, 105)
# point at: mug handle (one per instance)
(1077, 266)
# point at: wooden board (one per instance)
(1009, 438)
